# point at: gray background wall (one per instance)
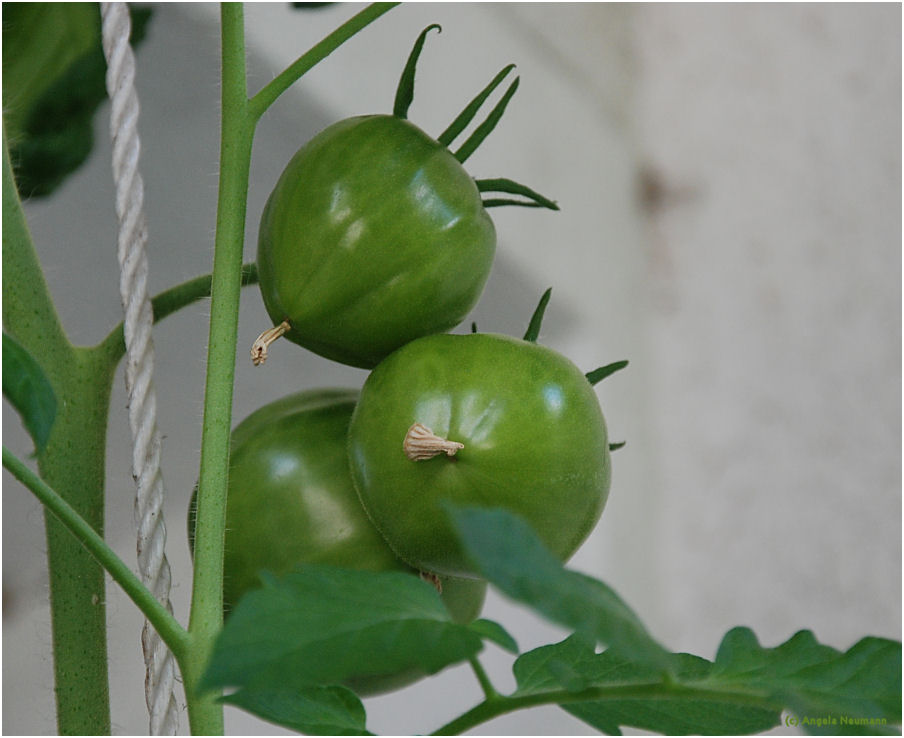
(730, 183)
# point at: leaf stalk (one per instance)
(502, 705)
(268, 94)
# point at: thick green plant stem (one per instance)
(205, 714)
(72, 462)
(159, 616)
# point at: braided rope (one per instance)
(152, 564)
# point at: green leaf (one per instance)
(500, 184)
(508, 554)
(636, 695)
(536, 321)
(492, 631)
(321, 625)
(405, 90)
(467, 115)
(744, 691)
(330, 710)
(598, 375)
(53, 82)
(486, 128)
(814, 680)
(29, 391)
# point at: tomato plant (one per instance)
(479, 455)
(531, 437)
(375, 234)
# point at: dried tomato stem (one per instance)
(263, 341)
(421, 443)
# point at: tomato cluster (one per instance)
(291, 501)
(374, 242)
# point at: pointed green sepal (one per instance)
(473, 327)
(598, 375)
(405, 90)
(467, 115)
(498, 202)
(486, 128)
(533, 328)
(616, 446)
(510, 187)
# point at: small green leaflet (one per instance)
(507, 552)
(492, 631)
(311, 710)
(29, 391)
(744, 691)
(324, 626)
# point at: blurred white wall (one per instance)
(730, 186)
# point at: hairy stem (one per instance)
(239, 117)
(162, 620)
(237, 128)
(73, 463)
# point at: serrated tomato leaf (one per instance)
(860, 688)
(744, 691)
(508, 554)
(330, 710)
(29, 391)
(322, 625)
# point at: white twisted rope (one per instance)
(152, 564)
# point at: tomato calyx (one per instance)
(263, 341)
(421, 444)
(533, 333)
(405, 89)
(405, 96)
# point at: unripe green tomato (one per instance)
(291, 500)
(373, 236)
(533, 436)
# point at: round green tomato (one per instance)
(374, 235)
(533, 442)
(291, 500)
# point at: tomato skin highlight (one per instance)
(535, 443)
(373, 236)
(291, 500)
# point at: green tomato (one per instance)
(373, 236)
(515, 425)
(291, 500)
